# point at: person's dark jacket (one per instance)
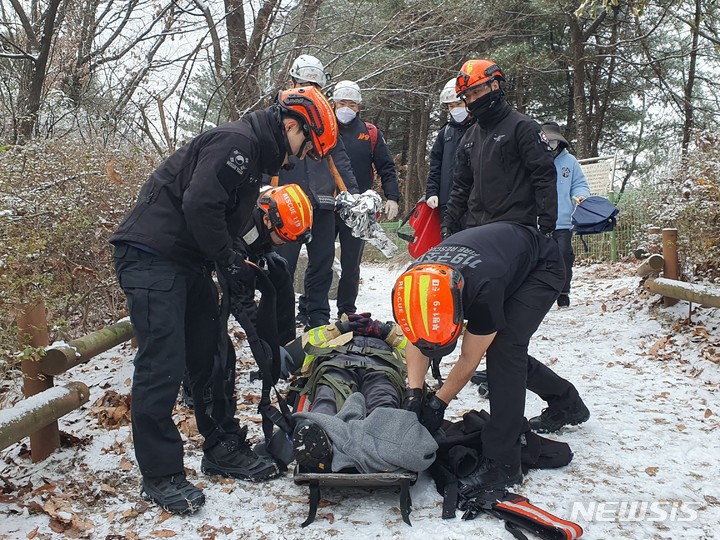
(504, 172)
(356, 139)
(442, 160)
(195, 203)
(317, 179)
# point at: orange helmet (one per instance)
(290, 212)
(427, 304)
(476, 72)
(309, 105)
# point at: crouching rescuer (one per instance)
(502, 278)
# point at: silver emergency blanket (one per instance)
(360, 215)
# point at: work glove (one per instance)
(236, 269)
(362, 324)
(276, 261)
(391, 209)
(445, 232)
(413, 400)
(433, 413)
(432, 202)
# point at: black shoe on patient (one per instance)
(312, 447)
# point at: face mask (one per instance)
(481, 106)
(459, 114)
(345, 115)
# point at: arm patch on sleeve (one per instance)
(237, 161)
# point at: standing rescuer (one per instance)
(185, 221)
(368, 153)
(504, 169)
(502, 278)
(444, 149)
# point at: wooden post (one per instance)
(652, 265)
(671, 266)
(32, 324)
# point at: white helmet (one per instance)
(347, 90)
(448, 94)
(307, 68)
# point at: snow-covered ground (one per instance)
(646, 465)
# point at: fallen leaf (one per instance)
(652, 471)
(32, 534)
(327, 515)
(680, 427)
(603, 308)
(125, 464)
(619, 351)
(270, 507)
(57, 526)
(164, 533)
(708, 413)
(164, 516)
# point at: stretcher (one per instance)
(315, 481)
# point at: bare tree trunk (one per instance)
(578, 39)
(688, 108)
(305, 31)
(35, 70)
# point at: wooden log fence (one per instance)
(44, 404)
(39, 411)
(58, 360)
(669, 285)
(704, 295)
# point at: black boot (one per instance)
(552, 420)
(234, 458)
(490, 475)
(312, 447)
(563, 300)
(173, 493)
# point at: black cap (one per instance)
(553, 133)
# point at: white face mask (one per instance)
(345, 115)
(459, 114)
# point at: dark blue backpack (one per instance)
(594, 215)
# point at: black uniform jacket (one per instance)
(504, 172)
(199, 198)
(442, 160)
(359, 149)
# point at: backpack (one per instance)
(373, 133)
(459, 453)
(594, 215)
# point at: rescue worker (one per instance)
(444, 150)
(321, 180)
(502, 278)
(369, 154)
(504, 169)
(186, 217)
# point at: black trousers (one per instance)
(564, 239)
(314, 304)
(173, 310)
(378, 389)
(351, 252)
(511, 369)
